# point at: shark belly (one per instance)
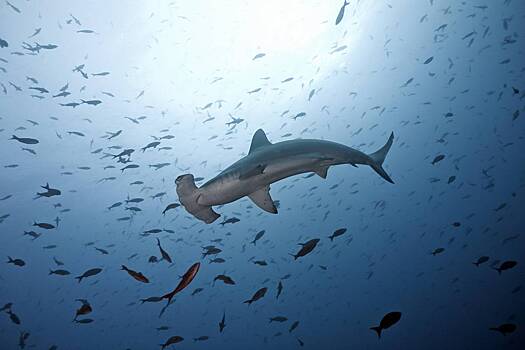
(228, 188)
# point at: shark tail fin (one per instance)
(189, 195)
(378, 157)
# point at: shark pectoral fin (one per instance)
(257, 170)
(322, 171)
(262, 199)
(205, 214)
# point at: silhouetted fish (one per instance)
(387, 321)
(306, 248)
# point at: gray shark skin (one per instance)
(267, 163)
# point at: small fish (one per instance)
(151, 300)
(306, 248)
(428, 60)
(506, 265)
(341, 13)
(171, 340)
(230, 221)
(438, 251)
(16, 262)
(165, 255)
(438, 159)
(505, 328)
(170, 206)
(26, 140)
(258, 236)
(387, 321)
(225, 279)
(49, 193)
(84, 321)
(91, 102)
(44, 225)
(59, 272)
(222, 324)
(337, 233)
(279, 289)
(481, 260)
(89, 273)
(259, 55)
(136, 275)
(201, 338)
(14, 318)
(185, 281)
(256, 296)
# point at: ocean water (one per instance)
(89, 80)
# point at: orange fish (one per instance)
(186, 280)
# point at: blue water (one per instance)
(445, 76)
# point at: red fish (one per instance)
(186, 280)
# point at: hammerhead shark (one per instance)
(267, 163)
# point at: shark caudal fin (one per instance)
(189, 195)
(378, 157)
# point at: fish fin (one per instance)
(263, 200)
(378, 330)
(259, 140)
(257, 170)
(189, 195)
(378, 157)
(322, 171)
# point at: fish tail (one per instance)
(378, 329)
(331, 238)
(378, 157)
(294, 256)
(51, 272)
(10, 259)
(123, 267)
(13, 137)
(249, 302)
(477, 264)
(79, 278)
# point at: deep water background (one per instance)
(460, 105)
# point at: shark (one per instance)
(266, 163)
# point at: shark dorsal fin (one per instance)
(259, 140)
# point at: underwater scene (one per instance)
(278, 174)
